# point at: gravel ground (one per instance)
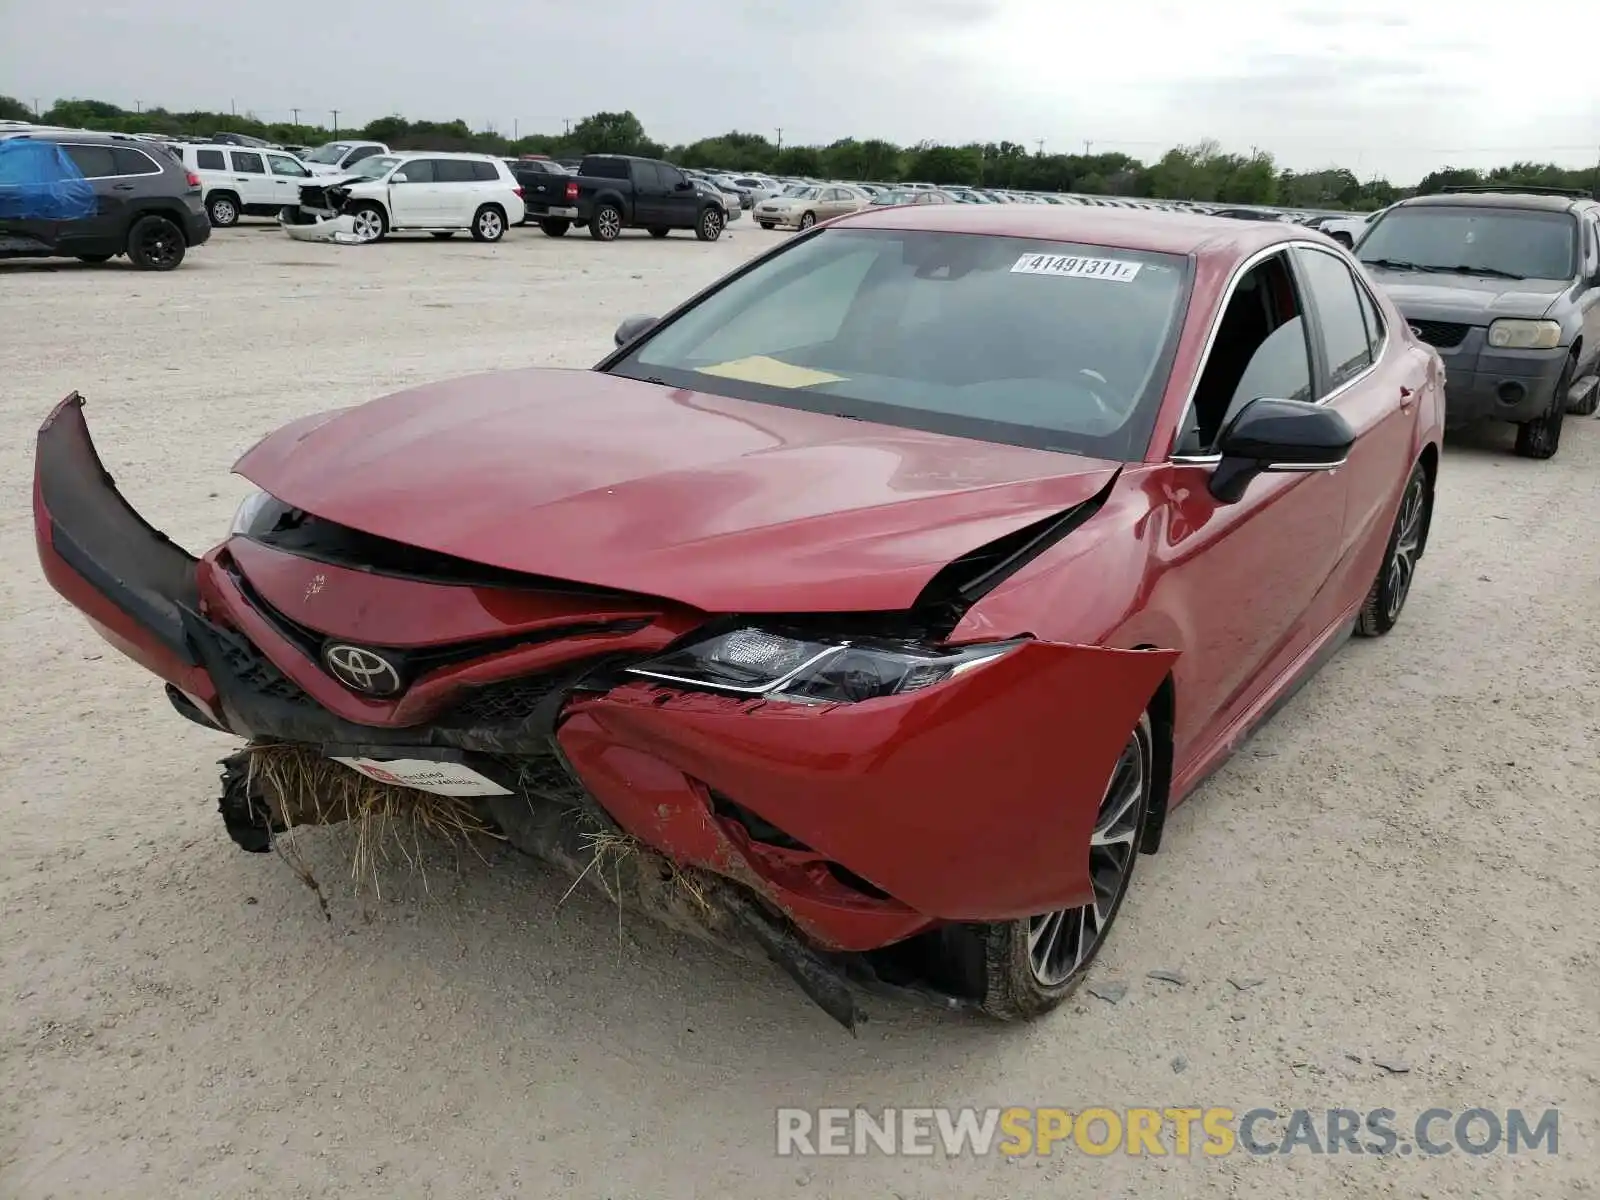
(1405, 856)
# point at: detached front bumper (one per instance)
(864, 824)
(304, 227)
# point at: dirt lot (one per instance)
(1406, 856)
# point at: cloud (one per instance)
(1310, 83)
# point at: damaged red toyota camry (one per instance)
(898, 585)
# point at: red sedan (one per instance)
(898, 585)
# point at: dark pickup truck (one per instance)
(613, 192)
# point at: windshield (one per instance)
(375, 167)
(1031, 343)
(800, 192)
(1518, 243)
(332, 152)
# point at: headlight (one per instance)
(1524, 335)
(756, 662)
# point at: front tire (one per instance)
(155, 244)
(807, 221)
(710, 225)
(489, 224)
(1030, 966)
(606, 224)
(369, 223)
(1381, 610)
(767, 224)
(1541, 437)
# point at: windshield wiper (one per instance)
(1397, 264)
(1493, 272)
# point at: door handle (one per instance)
(1408, 397)
(122, 187)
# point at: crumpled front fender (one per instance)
(971, 800)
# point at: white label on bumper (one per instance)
(426, 775)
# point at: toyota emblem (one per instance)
(361, 670)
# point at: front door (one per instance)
(679, 199)
(1250, 580)
(413, 202)
(287, 175)
(649, 206)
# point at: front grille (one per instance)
(1441, 334)
(255, 671)
(497, 705)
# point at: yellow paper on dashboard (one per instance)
(772, 372)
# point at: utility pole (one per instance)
(233, 106)
(1040, 147)
(780, 137)
(138, 106)
(1087, 147)
(567, 121)
(335, 113)
(36, 106)
(296, 113)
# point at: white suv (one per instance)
(236, 181)
(429, 191)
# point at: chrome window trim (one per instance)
(113, 146)
(1238, 273)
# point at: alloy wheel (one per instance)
(610, 223)
(1060, 942)
(367, 225)
(1407, 542)
(713, 224)
(807, 221)
(162, 245)
(223, 212)
(490, 226)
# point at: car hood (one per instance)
(723, 504)
(1469, 299)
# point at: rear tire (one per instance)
(155, 244)
(1541, 437)
(554, 226)
(807, 220)
(1387, 597)
(489, 223)
(606, 224)
(223, 209)
(659, 231)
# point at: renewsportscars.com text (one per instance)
(1179, 1131)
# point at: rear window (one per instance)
(1033, 343)
(1515, 243)
(605, 168)
(129, 161)
(452, 170)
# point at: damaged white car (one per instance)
(431, 192)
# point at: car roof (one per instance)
(1129, 228)
(1525, 200)
(442, 154)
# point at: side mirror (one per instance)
(1278, 435)
(685, 185)
(632, 327)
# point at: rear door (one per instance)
(457, 191)
(106, 231)
(1375, 381)
(250, 178)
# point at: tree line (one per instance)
(1201, 172)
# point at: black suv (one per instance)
(1505, 283)
(147, 205)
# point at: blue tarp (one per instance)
(39, 182)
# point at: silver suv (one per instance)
(1505, 284)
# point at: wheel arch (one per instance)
(1429, 460)
(1163, 710)
(159, 208)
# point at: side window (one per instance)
(670, 177)
(484, 172)
(452, 170)
(95, 162)
(361, 152)
(1344, 328)
(129, 161)
(1259, 350)
(646, 178)
(1592, 257)
(286, 166)
(247, 162)
(210, 160)
(418, 170)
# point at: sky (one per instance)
(1389, 90)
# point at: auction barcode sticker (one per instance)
(1076, 266)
